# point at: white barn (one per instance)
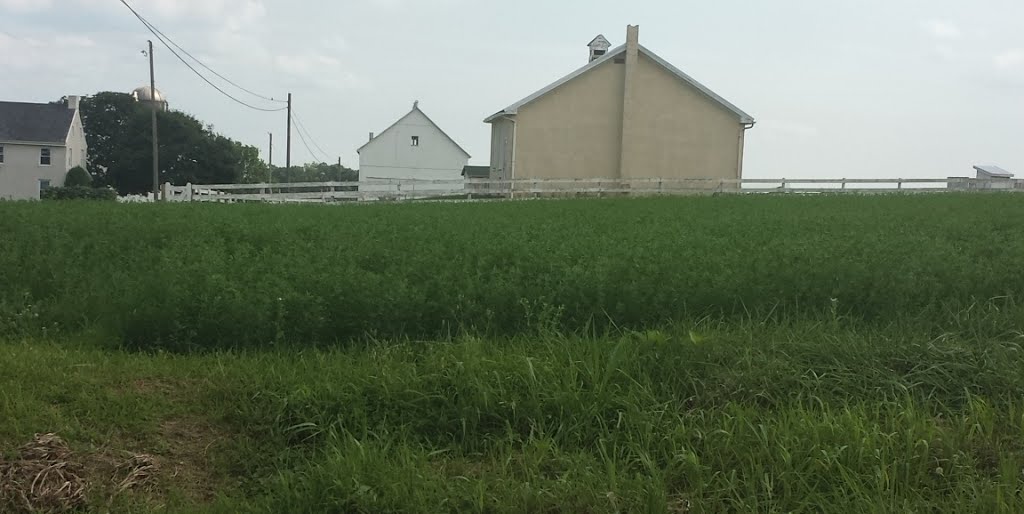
(413, 148)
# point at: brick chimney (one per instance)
(73, 102)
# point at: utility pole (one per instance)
(288, 149)
(153, 107)
(270, 159)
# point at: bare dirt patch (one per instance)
(187, 460)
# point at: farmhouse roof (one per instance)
(612, 54)
(22, 122)
(415, 109)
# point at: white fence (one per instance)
(480, 189)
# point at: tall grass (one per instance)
(722, 418)
(199, 276)
(738, 417)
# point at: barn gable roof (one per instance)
(415, 109)
(612, 54)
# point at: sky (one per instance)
(865, 89)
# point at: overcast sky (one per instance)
(872, 88)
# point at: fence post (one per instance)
(188, 191)
(844, 182)
(899, 184)
(783, 185)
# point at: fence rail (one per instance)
(480, 189)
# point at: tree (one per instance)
(316, 172)
(120, 147)
(252, 169)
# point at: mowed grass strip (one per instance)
(191, 276)
(739, 417)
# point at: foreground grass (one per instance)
(190, 276)
(744, 417)
(848, 354)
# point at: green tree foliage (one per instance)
(315, 172)
(77, 177)
(118, 133)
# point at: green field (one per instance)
(721, 354)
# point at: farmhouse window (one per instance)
(44, 157)
(415, 140)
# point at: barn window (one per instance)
(415, 140)
(44, 156)
(1, 154)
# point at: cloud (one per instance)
(1010, 60)
(25, 5)
(53, 61)
(27, 53)
(789, 129)
(946, 52)
(223, 10)
(335, 43)
(942, 29)
(318, 70)
(390, 5)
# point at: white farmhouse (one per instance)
(39, 143)
(412, 149)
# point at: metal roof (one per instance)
(599, 39)
(415, 109)
(994, 171)
(514, 108)
(476, 171)
(22, 122)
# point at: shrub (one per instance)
(77, 177)
(79, 193)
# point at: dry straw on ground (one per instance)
(137, 471)
(45, 476)
(42, 478)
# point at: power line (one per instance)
(157, 33)
(211, 70)
(304, 143)
(302, 127)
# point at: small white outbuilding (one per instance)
(412, 149)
